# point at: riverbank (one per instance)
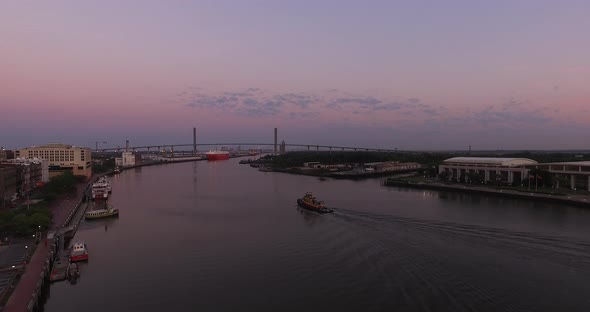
(350, 175)
(28, 289)
(164, 162)
(578, 200)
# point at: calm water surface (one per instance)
(219, 236)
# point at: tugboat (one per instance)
(79, 252)
(311, 203)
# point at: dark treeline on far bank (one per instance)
(427, 159)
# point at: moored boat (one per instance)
(101, 188)
(102, 213)
(117, 170)
(73, 271)
(217, 155)
(309, 202)
(79, 252)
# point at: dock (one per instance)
(60, 268)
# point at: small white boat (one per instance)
(79, 252)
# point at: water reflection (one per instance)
(311, 218)
(100, 223)
(217, 236)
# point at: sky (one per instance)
(418, 75)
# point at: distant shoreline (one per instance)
(344, 175)
(155, 163)
(577, 201)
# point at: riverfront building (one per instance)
(6, 154)
(283, 148)
(502, 170)
(61, 157)
(29, 173)
(577, 173)
(7, 185)
(128, 159)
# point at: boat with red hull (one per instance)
(311, 203)
(79, 252)
(217, 155)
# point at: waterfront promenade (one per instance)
(29, 282)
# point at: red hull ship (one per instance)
(217, 155)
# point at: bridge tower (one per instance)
(194, 141)
(275, 150)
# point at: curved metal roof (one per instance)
(491, 161)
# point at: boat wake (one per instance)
(427, 265)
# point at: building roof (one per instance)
(491, 161)
(53, 145)
(569, 163)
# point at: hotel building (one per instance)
(61, 157)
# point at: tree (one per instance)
(444, 176)
(539, 178)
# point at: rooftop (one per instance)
(491, 161)
(53, 145)
(569, 163)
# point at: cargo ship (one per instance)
(217, 155)
(311, 203)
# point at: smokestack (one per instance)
(275, 141)
(194, 141)
(126, 145)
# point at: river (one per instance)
(219, 236)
